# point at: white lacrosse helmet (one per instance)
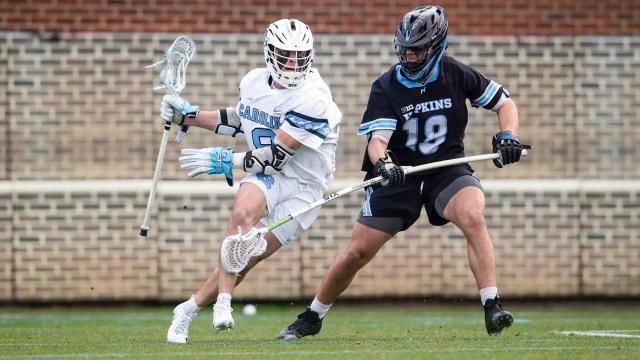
(288, 51)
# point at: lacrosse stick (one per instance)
(238, 249)
(172, 78)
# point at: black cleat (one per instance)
(496, 319)
(308, 323)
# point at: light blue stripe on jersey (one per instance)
(406, 81)
(488, 94)
(382, 123)
(317, 127)
(366, 207)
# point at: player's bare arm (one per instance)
(508, 116)
(178, 110)
(205, 119)
(288, 140)
(506, 141)
(377, 148)
(385, 163)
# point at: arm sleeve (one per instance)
(308, 123)
(379, 113)
(481, 91)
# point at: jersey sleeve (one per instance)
(481, 91)
(247, 80)
(309, 123)
(379, 113)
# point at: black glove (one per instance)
(508, 146)
(391, 172)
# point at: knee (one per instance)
(358, 256)
(472, 219)
(241, 217)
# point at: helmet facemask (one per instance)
(418, 62)
(290, 66)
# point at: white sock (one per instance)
(318, 307)
(224, 298)
(488, 293)
(190, 305)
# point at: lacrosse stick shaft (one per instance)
(144, 228)
(240, 260)
(379, 179)
(172, 78)
(439, 164)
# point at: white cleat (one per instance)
(222, 319)
(179, 329)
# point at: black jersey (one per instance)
(428, 120)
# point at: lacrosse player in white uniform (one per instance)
(291, 124)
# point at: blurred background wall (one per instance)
(80, 134)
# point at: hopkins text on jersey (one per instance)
(433, 105)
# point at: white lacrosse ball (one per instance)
(249, 310)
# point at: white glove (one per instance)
(175, 108)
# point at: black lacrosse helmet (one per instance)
(423, 30)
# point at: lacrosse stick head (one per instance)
(238, 249)
(174, 65)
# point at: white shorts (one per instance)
(285, 195)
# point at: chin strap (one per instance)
(268, 160)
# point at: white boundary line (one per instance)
(604, 333)
(320, 352)
(208, 187)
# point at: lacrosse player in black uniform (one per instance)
(417, 114)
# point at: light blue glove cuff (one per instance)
(506, 135)
(222, 163)
(186, 108)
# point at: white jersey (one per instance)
(306, 113)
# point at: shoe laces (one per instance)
(183, 323)
(497, 303)
(493, 303)
(222, 307)
(307, 316)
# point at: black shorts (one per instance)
(432, 191)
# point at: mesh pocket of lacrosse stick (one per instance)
(238, 249)
(173, 65)
(173, 68)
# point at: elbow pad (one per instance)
(228, 123)
(268, 160)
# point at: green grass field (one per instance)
(393, 331)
